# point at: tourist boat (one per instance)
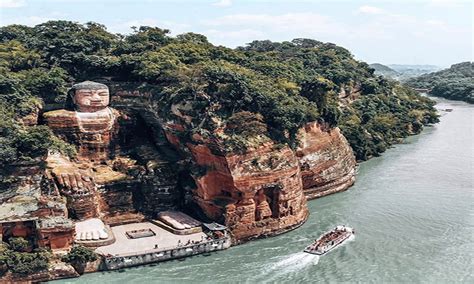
(330, 240)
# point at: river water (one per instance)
(412, 209)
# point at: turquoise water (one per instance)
(412, 209)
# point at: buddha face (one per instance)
(90, 100)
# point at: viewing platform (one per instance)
(146, 242)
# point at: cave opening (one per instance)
(273, 193)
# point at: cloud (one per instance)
(296, 22)
(370, 10)
(238, 29)
(223, 3)
(437, 24)
(235, 35)
(12, 3)
(234, 38)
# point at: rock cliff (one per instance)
(261, 192)
(327, 161)
(33, 208)
(257, 193)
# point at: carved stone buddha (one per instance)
(92, 126)
(88, 122)
(118, 170)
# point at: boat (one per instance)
(330, 240)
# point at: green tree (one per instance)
(79, 256)
(18, 244)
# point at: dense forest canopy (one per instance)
(275, 87)
(454, 83)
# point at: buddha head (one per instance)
(89, 96)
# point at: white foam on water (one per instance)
(350, 239)
(297, 261)
(291, 264)
(288, 264)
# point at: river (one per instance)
(412, 209)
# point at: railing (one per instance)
(170, 248)
(119, 261)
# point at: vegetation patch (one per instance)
(454, 83)
(14, 258)
(249, 95)
(79, 256)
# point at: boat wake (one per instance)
(287, 266)
(350, 239)
(296, 261)
(292, 263)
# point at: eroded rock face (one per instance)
(262, 191)
(55, 232)
(31, 208)
(327, 161)
(257, 193)
(349, 93)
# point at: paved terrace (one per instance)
(165, 240)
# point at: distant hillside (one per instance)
(402, 72)
(384, 70)
(422, 67)
(455, 83)
(407, 71)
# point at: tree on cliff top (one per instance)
(274, 80)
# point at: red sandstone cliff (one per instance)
(257, 193)
(261, 192)
(326, 159)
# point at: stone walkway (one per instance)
(164, 239)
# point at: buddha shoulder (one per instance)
(60, 116)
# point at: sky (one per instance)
(436, 32)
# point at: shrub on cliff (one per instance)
(374, 122)
(27, 263)
(26, 143)
(18, 244)
(23, 263)
(79, 256)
